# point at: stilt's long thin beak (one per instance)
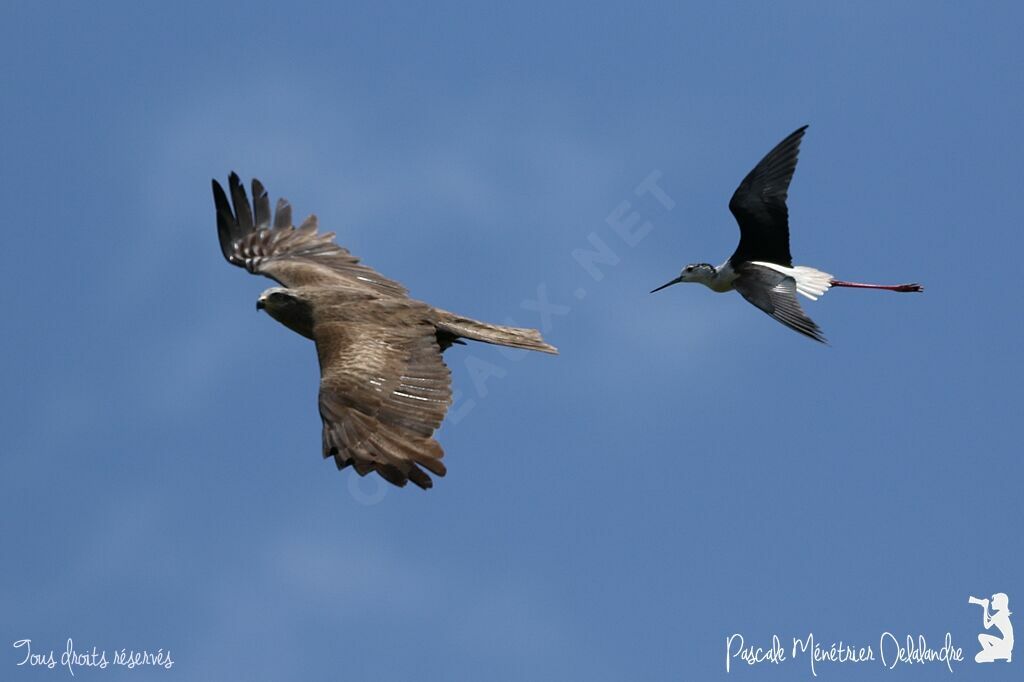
(677, 280)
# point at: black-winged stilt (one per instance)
(762, 268)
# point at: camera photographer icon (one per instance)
(994, 648)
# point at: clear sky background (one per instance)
(686, 469)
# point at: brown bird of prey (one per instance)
(384, 388)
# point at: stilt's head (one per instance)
(703, 273)
(288, 308)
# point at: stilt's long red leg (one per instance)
(886, 287)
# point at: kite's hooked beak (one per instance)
(260, 304)
(677, 280)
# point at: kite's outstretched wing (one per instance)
(292, 256)
(384, 388)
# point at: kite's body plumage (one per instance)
(384, 387)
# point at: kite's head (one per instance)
(288, 308)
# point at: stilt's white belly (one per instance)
(810, 282)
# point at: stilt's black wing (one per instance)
(759, 204)
(775, 293)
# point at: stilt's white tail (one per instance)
(810, 282)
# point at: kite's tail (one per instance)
(515, 337)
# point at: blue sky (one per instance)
(686, 469)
